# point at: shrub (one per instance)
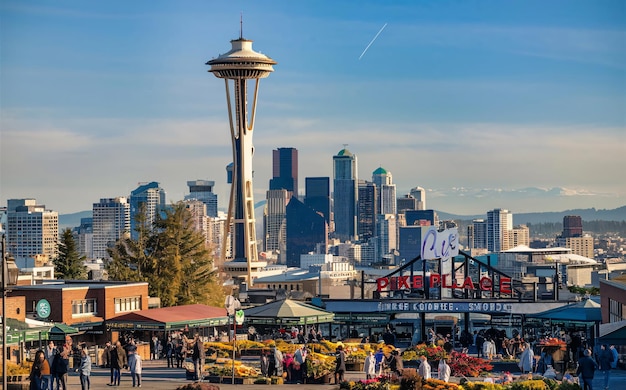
(410, 380)
(532, 384)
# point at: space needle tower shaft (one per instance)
(238, 66)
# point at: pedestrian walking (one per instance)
(340, 367)
(605, 359)
(370, 366)
(527, 359)
(444, 370)
(424, 368)
(586, 370)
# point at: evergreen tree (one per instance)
(172, 257)
(69, 264)
(133, 260)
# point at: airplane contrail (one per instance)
(372, 41)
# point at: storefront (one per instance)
(143, 325)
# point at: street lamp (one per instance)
(232, 304)
(10, 272)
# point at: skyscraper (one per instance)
(479, 234)
(407, 202)
(306, 230)
(202, 190)
(317, 196)
(420, 194)
(386, 191)
(31, 230)
(285, 170)
(111, 221)
(345, 195)
(386, 232)
(275, 222)
(149, 197)
(367, 210)
(236, 67)
(499, 226)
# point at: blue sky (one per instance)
(476, 101)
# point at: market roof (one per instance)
(587, 311)
(287, 312)
(171, 317)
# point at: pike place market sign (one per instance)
(445, 307)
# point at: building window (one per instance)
(123, 305)
(83, 307)
(616, 311)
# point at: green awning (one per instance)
(59, 331)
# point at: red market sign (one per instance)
(416, 282)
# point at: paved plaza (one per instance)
(156, 376)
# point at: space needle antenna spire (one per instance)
(241, 25)
(241, 68)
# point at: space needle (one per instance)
(239, 65)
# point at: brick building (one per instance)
(84, 305)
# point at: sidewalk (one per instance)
(156, 376)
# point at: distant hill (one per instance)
(618, 214)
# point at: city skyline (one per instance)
(517, 105)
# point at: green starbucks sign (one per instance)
(43, 308)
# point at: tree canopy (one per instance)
(172, 256)
(69, 264)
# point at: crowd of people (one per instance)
(51, 366)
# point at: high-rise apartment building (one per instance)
(84, 237)
(31, 230)
(367, 209)
(345, 195)
(478, 240)
(148, 197)
(216, 230)
(386, 233)
(572, 237)
(197, 209)
(111, 221)
(317, 196)
(386, 191)
(499, 226)
(202, 190)
(519, 236)
(420, 194)
(285, 170)
(275, 222)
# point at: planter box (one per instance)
(354, 366)
(504, 366)
(322, 380)
(213, 379)
(229, 380)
